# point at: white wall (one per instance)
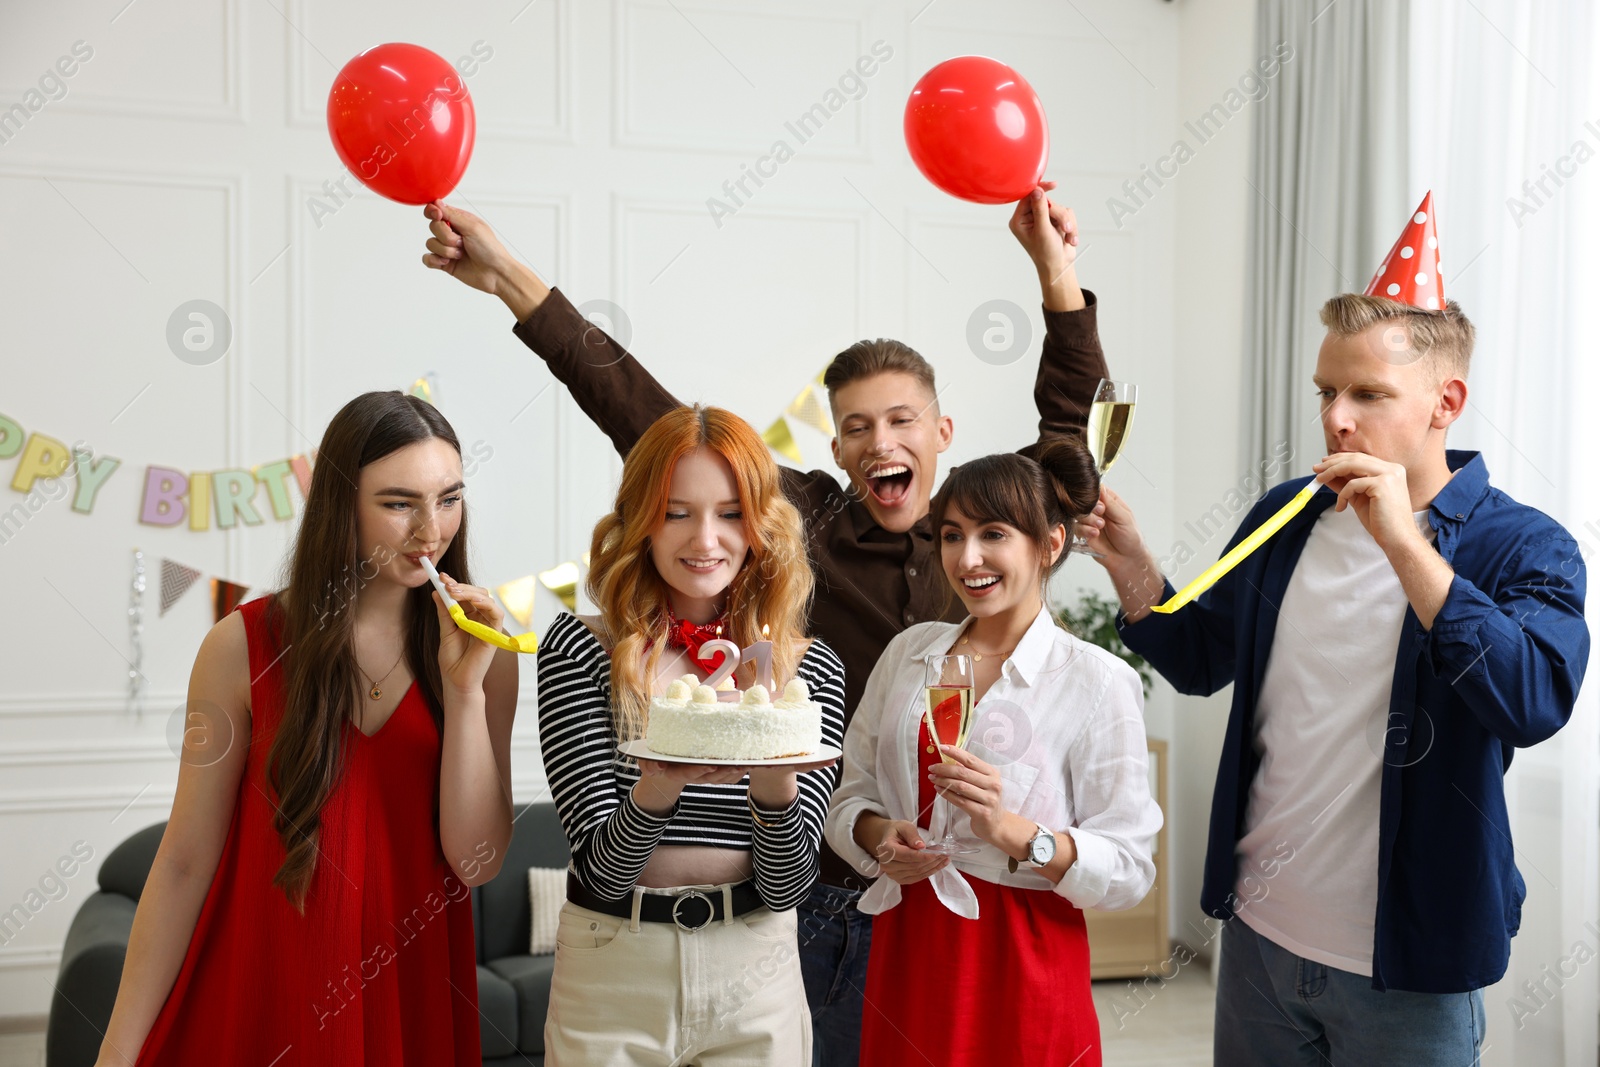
(180, 164)
(1212, 231)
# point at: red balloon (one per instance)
(402, 121)
(976, 129)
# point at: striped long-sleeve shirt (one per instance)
(612, 837)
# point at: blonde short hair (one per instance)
(1444, 338)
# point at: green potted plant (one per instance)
(1094, 619)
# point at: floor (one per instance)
(1155, 1023)
(21, 1047)
(1148, 1025)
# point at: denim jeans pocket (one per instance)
(580, 930)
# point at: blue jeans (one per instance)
(834, 941)
(1276, 1009)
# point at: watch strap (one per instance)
(1013, 864)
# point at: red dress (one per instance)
(1011, 987)
(381, 968)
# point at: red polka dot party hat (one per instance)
(1410, 272)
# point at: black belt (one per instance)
(690, 910)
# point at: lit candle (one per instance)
(761, 652)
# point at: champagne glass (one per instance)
(1110, 421)
(948, 714)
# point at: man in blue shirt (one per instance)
(1389, 648)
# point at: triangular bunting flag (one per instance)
(779, 438)
(1410, 272)
(810, 409)
(225, 596)
(517, 596)
(562, 580)
(176, 580)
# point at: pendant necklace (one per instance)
(977, 657)
(376, 693)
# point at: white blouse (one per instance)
(1063, 725)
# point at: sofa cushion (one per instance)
(497, 1014)
(503, 916)
(530, 977)
(128, 865)
(547, 893)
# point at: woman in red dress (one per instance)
(344, 780)
(983, 958)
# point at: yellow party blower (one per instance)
(1213, 573)
(527, 642)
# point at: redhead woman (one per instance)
(677, 943)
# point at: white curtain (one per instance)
(1503, 93)
(1327, 196)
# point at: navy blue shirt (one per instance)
(1499, 670)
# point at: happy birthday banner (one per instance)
(170, 496)
(225, 498)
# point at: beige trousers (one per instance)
(644, 994)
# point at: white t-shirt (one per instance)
(1308, 860)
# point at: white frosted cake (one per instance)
(689, 720)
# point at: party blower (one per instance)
(1210, 576)
(527, 642)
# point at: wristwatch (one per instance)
(1041, 849)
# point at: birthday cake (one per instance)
(688, 720)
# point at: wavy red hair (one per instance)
(772, 588)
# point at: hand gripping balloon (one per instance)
(527, 642)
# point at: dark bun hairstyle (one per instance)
(1051, 483)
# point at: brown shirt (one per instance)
(870, 583)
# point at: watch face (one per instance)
(1043, 849)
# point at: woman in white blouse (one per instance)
(982, 957)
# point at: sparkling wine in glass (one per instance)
(947, 712)
(1110, 421)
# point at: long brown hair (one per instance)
(772, 588)
(316, 624)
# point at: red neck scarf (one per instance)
(684, 634)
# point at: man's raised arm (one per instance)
(1072, 363)
(612, 387)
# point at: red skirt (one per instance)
(1010, 987)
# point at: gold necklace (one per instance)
(376, 693)
(977, 657)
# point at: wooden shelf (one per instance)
(1123, 943)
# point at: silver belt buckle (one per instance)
(692, 894)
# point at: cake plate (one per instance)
(640, 750)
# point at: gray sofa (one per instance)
(513, 987)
